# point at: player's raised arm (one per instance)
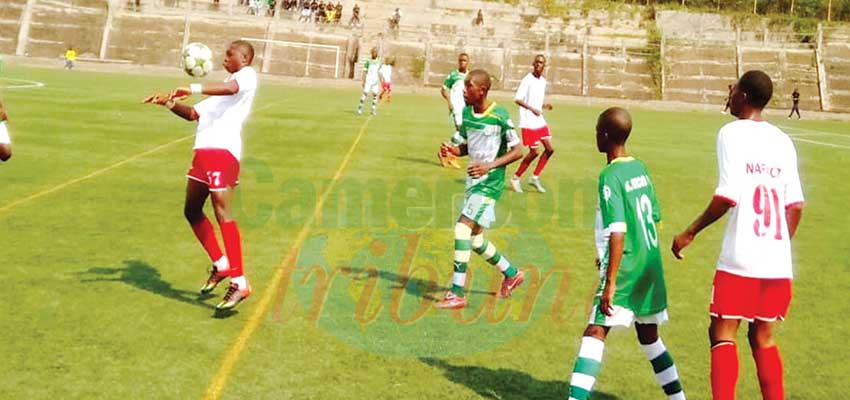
(182, 110)
(210, 89)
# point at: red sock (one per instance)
(541, 164)
(206, 235)
(769, 366)
(233, 246)
(523, 166)
(724, 371)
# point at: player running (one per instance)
(371, 82)
(759, 182)
(386, 74)
(631, 277)
(5, 140)
(215, 166)
(529, 98)
(487, 135)
(452, 92)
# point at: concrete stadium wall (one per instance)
(56, 27)
(600, 53)
(699, 72)
(10, 24)
(837, 68)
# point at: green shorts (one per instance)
(480, 209)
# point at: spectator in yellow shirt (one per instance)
(70, 57)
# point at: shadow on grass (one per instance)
(415, 287)
(141, 275)
(505, 383)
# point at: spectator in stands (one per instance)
(479, 19)
(305, 12)
(330, 13)
(338, 13)
(321, 15)
(395, 19)
(314, 10)
(70, 57)
(355, 16)
(271, 6)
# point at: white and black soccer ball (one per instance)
(196, 60)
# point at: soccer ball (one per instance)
(196, 60)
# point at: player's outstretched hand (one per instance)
(681, 241)
(547, 107)
(607, 298)
(180, 93)
(158, 99)
(447, 148)
(478, 169)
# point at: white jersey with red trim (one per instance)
(758, 175)
(532, 91)
(221, 117)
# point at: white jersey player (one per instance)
(760, 184)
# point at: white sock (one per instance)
(240, 281)
(222, 264)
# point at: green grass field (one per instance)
(101, 271)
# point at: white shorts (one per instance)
(623, 317)
(480, 209)
(4, 134)
(373, 87)
(457, 113)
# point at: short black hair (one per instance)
(616, 122)
(480, 77)
(461, 55)
(246, 47)
(757, 86)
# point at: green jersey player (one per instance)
(631, 288)
(452, 92)
(371, 82)
(487, 135)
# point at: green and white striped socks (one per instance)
(463, 243)
(588, 363)
(486, 249)
(665, 369)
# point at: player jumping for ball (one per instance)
(371, 82)
(487, 135)
(529, 97)
(215, 166)
(452, 92)
(760, 183)
(631, 277)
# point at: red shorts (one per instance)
(387, 87)
(532, 137)
(217, 168)
(741, 297)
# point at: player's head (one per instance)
(462, 62)
(612, 128)
(539, 64)
(374, 52)
(239, 54)
(752, 92)
(476, 86)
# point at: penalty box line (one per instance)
(235, 350)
